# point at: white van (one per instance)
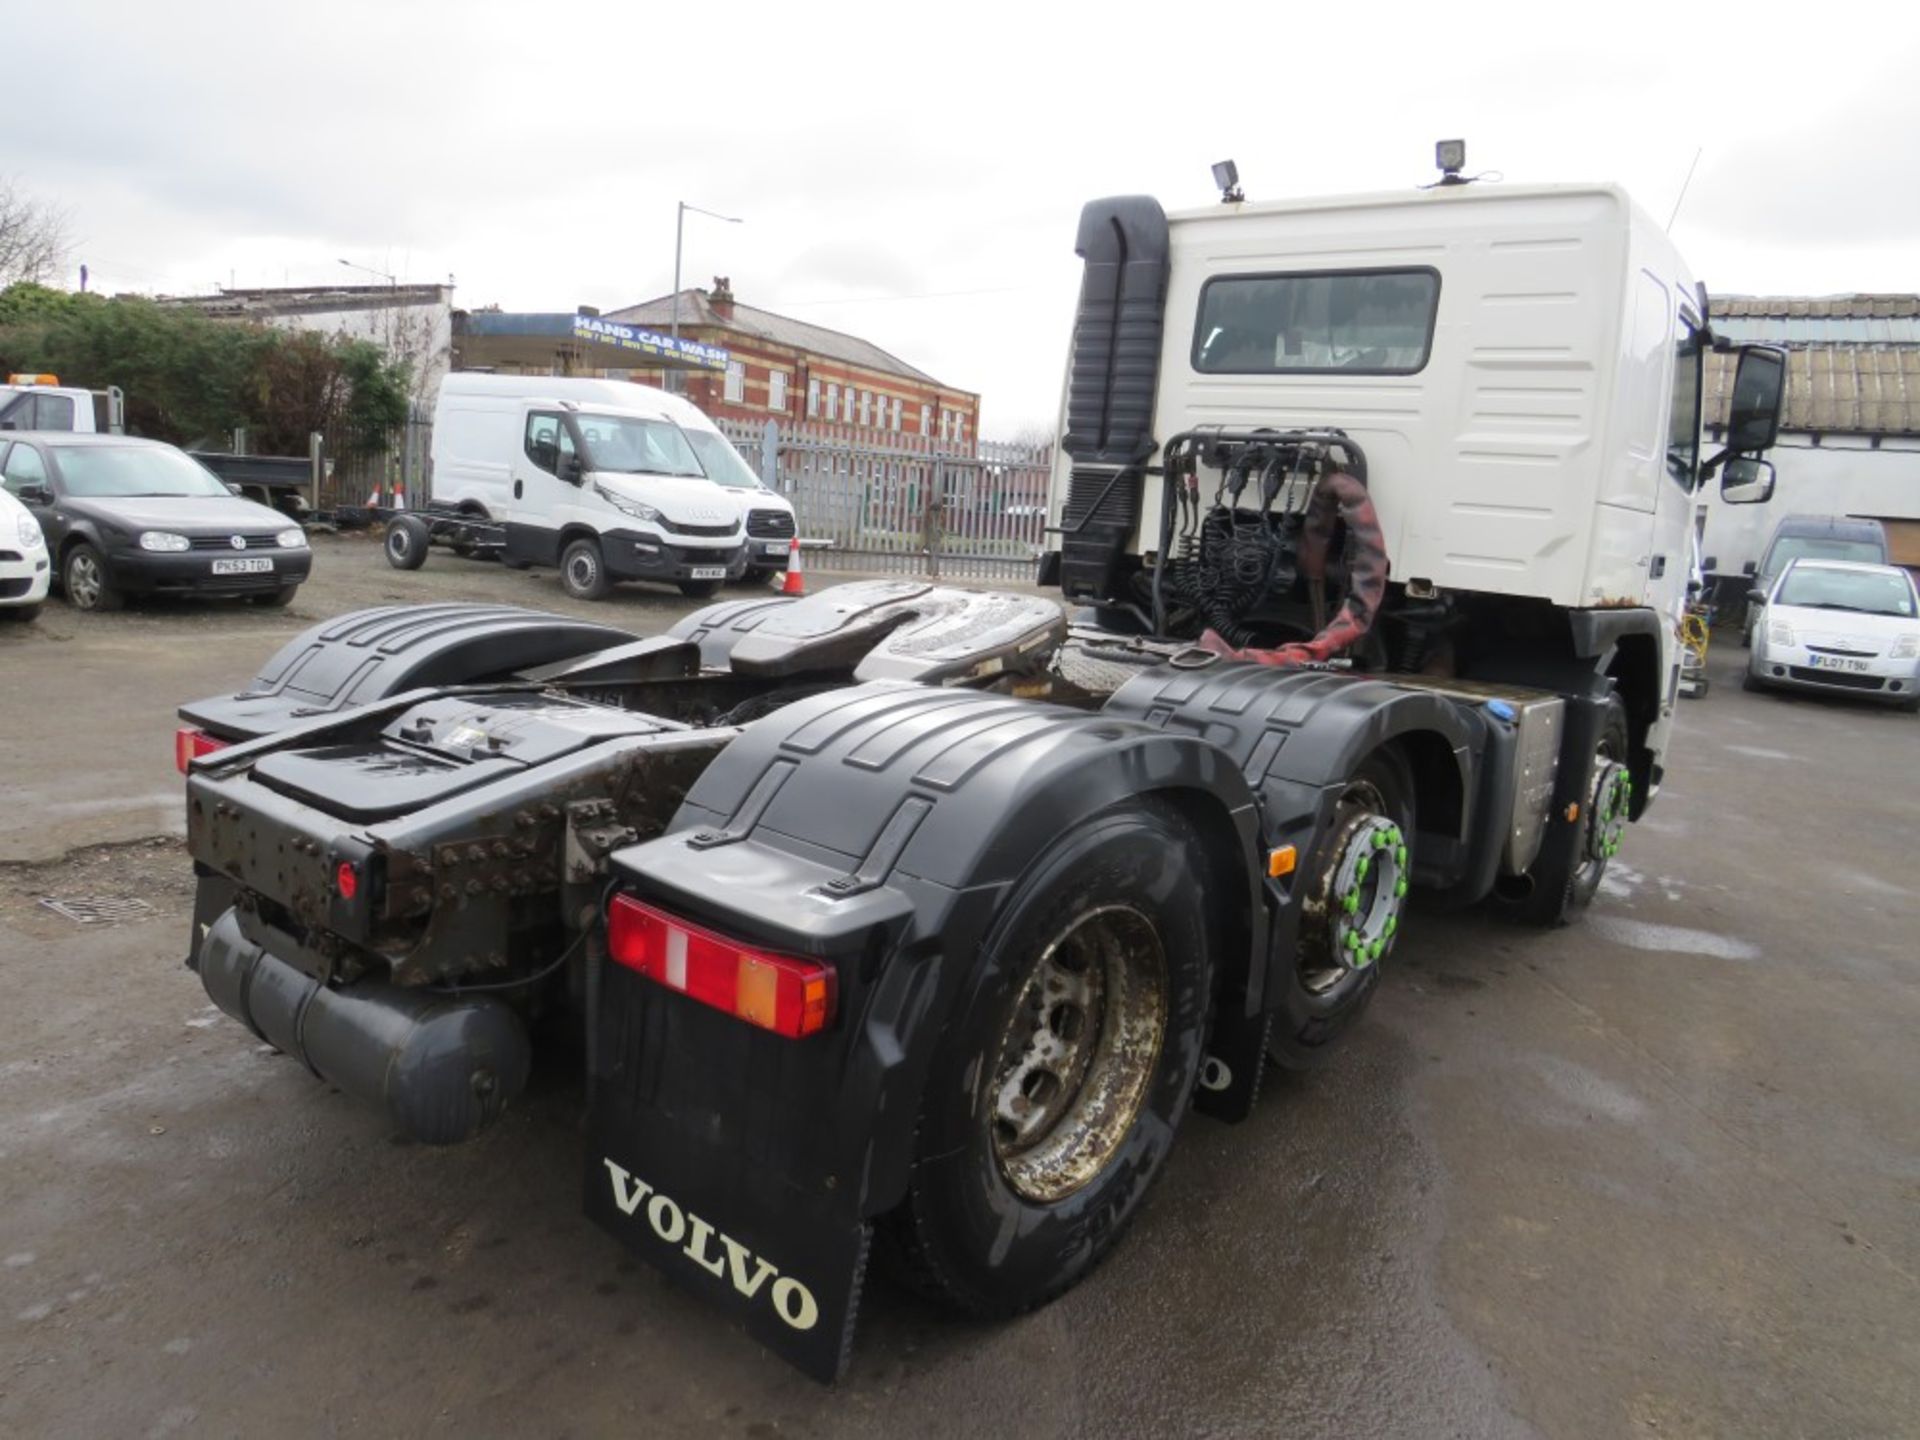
(604, 479)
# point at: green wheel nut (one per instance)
(1399, 888)
(1351, 903)
(1400, 855)
(1374, 950)
(1393, 924)
(1360, 870)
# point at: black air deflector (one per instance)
(1112, 387)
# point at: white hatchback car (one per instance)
(24, 567)
(1841, 626)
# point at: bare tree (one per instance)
(34, 237)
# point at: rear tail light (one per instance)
(190, 742)
(346, 880)
(788, 996)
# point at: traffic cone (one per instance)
(373, 498)
(399, 496)
(794, 584)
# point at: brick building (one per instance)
(782, 368)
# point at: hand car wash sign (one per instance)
(646, 342)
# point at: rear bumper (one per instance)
(146, 572)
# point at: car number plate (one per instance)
(260, 566)
(709, 572)
(774, 547)
(1836, 662)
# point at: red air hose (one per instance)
(1338, 496)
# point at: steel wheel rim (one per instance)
(1078, 1054)
(83, 581)
(581, 570)
(398, 543)
(1379, 891)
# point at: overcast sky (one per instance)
(913, 173)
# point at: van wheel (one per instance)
(1054, 1096)
(583, 574)
(1573, 858)
(700, 589)
(1351, 913)
(407, 541)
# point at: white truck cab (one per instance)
(1520, 367)
(604, 479)
(41, 402)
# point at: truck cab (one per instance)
(41, 402)
(1520, 367)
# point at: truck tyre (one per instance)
(1572, 860)
(583, 574)
(1054, 1095)
(407, 540)
(1350, 915)
(700, 589)
(84, 577)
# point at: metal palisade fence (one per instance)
(903, 503)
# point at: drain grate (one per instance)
(99, 909)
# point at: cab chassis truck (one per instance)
(920, 915)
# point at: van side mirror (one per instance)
(570, 469)
(1710, 564)
(1752, 567)
(35, 495)
(1746, 481)
(1756, 597)
(1759, 386)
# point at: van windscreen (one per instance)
(630, 445)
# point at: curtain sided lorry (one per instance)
(907, 913)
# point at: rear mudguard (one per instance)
(369, 655)
(878, 827)
(1295, 738)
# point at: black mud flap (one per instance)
(791, 1271)
(703, 1157)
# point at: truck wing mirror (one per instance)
(1759, 385)
(1752, 567)
(1746, 481)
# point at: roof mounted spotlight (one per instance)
(1451, 158)
(1226, 175)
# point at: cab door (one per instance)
(1671, 563)
(546, 471)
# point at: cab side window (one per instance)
(1683, 422)
(548, 440)
(23, 467)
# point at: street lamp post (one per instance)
(679, 224)
(393, 280)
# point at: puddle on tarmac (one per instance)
(1673, 939)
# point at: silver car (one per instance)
(1842, 627)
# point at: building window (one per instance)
(896, 414)
(926, 420)
(960, 428)
(776, 389)
(866, 406)
(833, 402)
(736, 381)
(813, 399)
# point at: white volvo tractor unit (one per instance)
(926, 915)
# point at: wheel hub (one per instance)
(1607, 808)
(1077, 1054)
(1368, 892)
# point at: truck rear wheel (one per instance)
(1053, 1099)
(1351, 913)
(407, 541)
(1573, 858)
